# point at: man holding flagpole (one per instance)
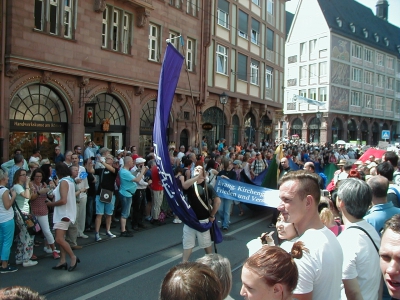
(199, 195)
(169, 76)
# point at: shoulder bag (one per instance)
(105, 195)
(362, 229)
(30, 221)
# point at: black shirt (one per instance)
(283, 171)
(201, 212)
(107, 179)
(92, 186)
(230, 174)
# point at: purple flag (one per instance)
(169, 76)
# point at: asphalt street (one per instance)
(133, 268)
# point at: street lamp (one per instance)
(223, 99)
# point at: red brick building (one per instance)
(70, 67)
(73, 71)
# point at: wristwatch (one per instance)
(212, 216)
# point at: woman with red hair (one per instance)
(271, 273)
(354, 174)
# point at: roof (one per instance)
(289, 21)
(351, 11)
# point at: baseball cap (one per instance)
(119, 151)
(140, 160)
(104, 150)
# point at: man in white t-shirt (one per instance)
(320, 270)
(360, 242)
(181, 152)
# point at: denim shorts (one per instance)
(126, 203)
(104, 208)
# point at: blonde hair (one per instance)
(326, 216)
(33, 164)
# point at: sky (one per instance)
(394, 8)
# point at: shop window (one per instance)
(38, 119)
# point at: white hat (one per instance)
(140, 160)
(119, 151)
(34, 159)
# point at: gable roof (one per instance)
(351, 11)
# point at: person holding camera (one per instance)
(139, 198)
(126, 190)
(107, 175)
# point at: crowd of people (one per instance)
(337, 239)
(72, 197)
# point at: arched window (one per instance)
(147, 116)
(250, 124)
(337, 130)
(38, 119)
(108, 107)
(37, 103)
(314, 130)
(364, 133)
(296, 128)
(375, 133)
(266, 128)
(235, 129)
(351, 130)
(214, 116)
(184, 138)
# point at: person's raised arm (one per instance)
(108, 167)
(64, 188)
(90, 168)
(27, 191)
(140, 175)
(187, 183)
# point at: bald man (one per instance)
(381, 210)
(309, 166)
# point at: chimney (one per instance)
(382, 9)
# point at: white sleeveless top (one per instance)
(5, 214)
(69, 209)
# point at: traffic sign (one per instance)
(385, 134)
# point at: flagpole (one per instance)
(197, 136)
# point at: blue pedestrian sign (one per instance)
(385, 134)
